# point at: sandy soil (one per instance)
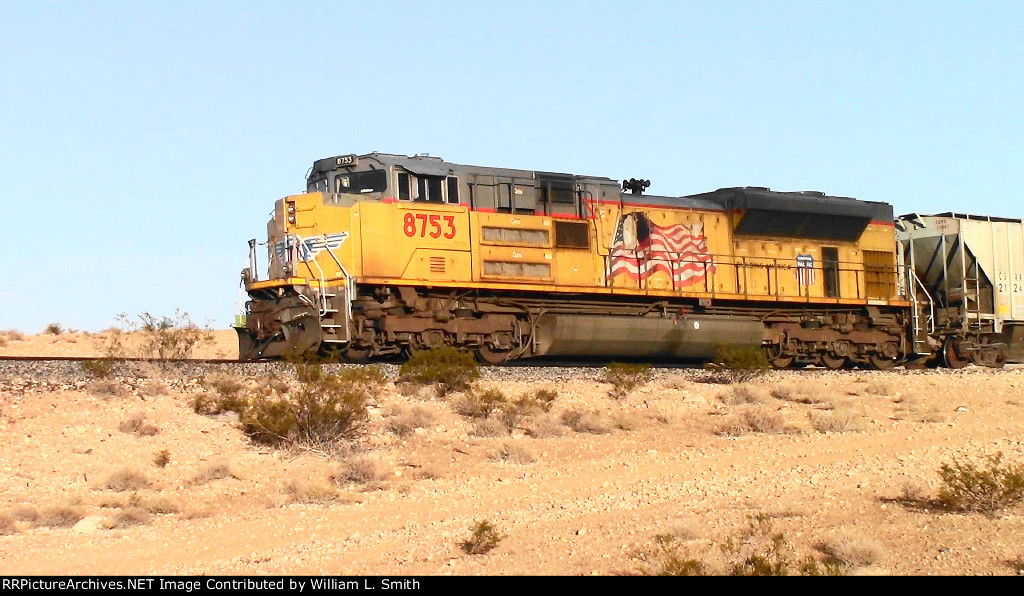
(586, 503)
(223, 344)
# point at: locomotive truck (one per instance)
(385, 255)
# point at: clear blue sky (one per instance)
(144, 142)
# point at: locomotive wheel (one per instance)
(781, 361)
(880, 362)
(950, 357)
(357, 355)
(831, 361)
(489, 355)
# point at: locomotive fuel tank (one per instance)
(682, 337)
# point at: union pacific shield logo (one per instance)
(805, 270)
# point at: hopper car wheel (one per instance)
(950, 357)
(782, 361)
(832, 362)
(997, 362)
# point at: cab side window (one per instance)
(403, 187)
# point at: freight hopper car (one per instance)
(388, 254)
(965, 275)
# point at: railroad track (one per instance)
(537, 363)
(150, 360)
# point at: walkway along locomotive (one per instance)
(388, 254)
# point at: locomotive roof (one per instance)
(913, 216)
(429, 165)
(805, 213)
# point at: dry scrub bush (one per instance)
(126, 479)
(447, 369)
(669, 557)
(321, 411)
(7, 525)
(803, 393)
(310, 493)
(12, 335)
(99, 368)
(743, 393)
(54, 329)
(912, 492)
(514, 453)
(624, 377)
(132, 516)
(484, 537)
(968, 487)
(25, 513)
(840, 420)
(756, 420)
(625, 421)
(757, 551)
(488, 428)
(162, 458)
(105, 388)
(364, 471)
(737, 364)
(62, 516)
(153, 387)
(136, 425)
(586, 422)
(156, 504)
(513, 413)
(366, 375)
(227, 388)
(880, 387)
(480, 403)
(852, 550)
(161, 337)
(492, 404)
(1017, 565)
(544, 427)
(212, 472)
(405, 421)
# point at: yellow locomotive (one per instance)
(388, 254)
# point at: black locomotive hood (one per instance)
(807, 214)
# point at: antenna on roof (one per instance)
(635, 186)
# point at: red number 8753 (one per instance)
(433, 220)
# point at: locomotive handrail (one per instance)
(854, 269)
(931, 304)
(323, 278)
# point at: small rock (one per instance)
(92, 524)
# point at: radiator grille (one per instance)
(516, 269)
(879, 274)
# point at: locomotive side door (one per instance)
(830, 266)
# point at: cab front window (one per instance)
(361, 182)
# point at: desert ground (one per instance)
(121, 475)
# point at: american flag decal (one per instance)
(642, 248)
(805, 270)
